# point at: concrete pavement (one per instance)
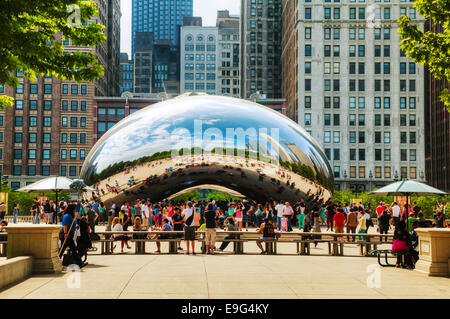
(231, 276)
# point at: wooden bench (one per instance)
(303, 245)
(140, 244)
(3, 245)
(107, 246)
(379, 252)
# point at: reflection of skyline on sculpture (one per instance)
(202, 124)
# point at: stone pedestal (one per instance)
(434, 251)
(38, 241)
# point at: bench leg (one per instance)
(173, 247)
(329, 249)
(298, 248)
(307, 248)
(341, 245)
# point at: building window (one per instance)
(47, 121)
(46, 154)
(47, 89)
(17, 170)
(387, 172)
(74, 89)
(45, 170)
(72, 171)
(362, 172)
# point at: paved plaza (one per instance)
(226, 275)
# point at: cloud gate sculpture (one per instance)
(196, 140)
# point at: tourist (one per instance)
(118, 227)
(323, 215)
(400, 244)
(301, 218)
(362, 225)
(369, 222)
(145, 213)
(188, 216)
(178, 223)
(383, 222)
(246, 214)
(338, 222)
(413, 243)
(102, 214)
(239, 215)
(395, 213)
(67, 233)
(165, 227)
(92, 218)
(3, 224)
(416, 209)
(288, 212)
(259, 215)
(352, 223)
(279, 208)
(330, 215)
(230, 225)
(2, 210)
(268, 232)
(210, 229)
(16, 208)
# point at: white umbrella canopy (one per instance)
(408, 188)
(50, 184)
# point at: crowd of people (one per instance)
(79, 219)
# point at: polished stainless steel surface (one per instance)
(196, 140)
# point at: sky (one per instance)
(207, 9)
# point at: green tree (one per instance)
(32, 41)
(429, 48)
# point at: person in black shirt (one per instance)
(383, 220)
(178, 223)
(210, 219)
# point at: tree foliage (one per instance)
(32, 41)
(429, 48)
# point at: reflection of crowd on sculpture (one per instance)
(181, 168)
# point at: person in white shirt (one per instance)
(189, 230)
(279, 208)
(145, 213)
(395, 213)
(288, 212)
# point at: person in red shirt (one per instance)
(338, 222)
(380, 209)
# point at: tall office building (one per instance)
(260, 48)
(49, 130)
(143, 66)
(437, 129)
(358, 94)
(166, 73)
(126, 74)
(162, 17)
(198, 59)
(229, 54)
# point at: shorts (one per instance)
(238, 219)
(210, 236)
(338, 230)
(49, 216)
(189, 233)
(261, 239)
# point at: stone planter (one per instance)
(434, 251)
(38, 241)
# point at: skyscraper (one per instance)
(356, 93)
(260, 48)
(437, 128)
(162, 17)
